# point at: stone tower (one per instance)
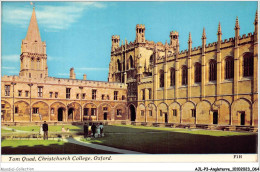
(115, 42)
(140, 33)
(174, 37)
(33, 52)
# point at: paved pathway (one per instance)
(100, 147)
(11, 129)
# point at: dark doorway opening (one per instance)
(60, 114)
(132, 111)
(105, 116)
(215, 117)
(70, 113)
(242, 118)
(166, 117)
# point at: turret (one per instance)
(140, 34)
(203, 40)
(115, 42)
(237, 28)
(174, 39)
(72, 73)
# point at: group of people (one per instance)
(63, 129)
(92, 128)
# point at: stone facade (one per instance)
(214, 83)
(33, 96)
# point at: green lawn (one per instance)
(46, 147)
(154, 140)
(177, 141)
(52, 128)
(134, 129)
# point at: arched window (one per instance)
(184, 75)
(212, 70)
(32, 63)
(131, 62)
(172, 77)
(229, 68)
(197, 72)
(151, 60)
(38, 63)
(248, 64)
(118, 65)
(161, 78)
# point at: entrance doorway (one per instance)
(60, 114)
(242, 118)
(132, 112)
(215, 117)
(105, 116)
(166, 117)
(70, 113)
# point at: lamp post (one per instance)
(30, 85)
(13, 83)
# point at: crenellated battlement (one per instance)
(140, 26)
(115, 37)
(63, 82)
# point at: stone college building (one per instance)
(214, 85)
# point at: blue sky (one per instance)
(78, 34)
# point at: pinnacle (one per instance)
(203, 33)
(237, 24)
(256, 17)
(219, 29)
(33, 33)
(189, 38)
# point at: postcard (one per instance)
(95, 85)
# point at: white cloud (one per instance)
(8, 68)
(92, 68)
(63, 74)
(52, 58)
(51, 18)
(11, 58)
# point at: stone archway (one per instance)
(74, 112)
(70, 114)
(186, 115)
(241, 112)
(58, 108)
(40, 111)
(5, 111)
(22, 111)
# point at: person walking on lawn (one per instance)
(45, 130)
(93, 128)
(101, 129)
(85, 130)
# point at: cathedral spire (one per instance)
(33, 33)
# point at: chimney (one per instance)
(72, 73)
(84, 77)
